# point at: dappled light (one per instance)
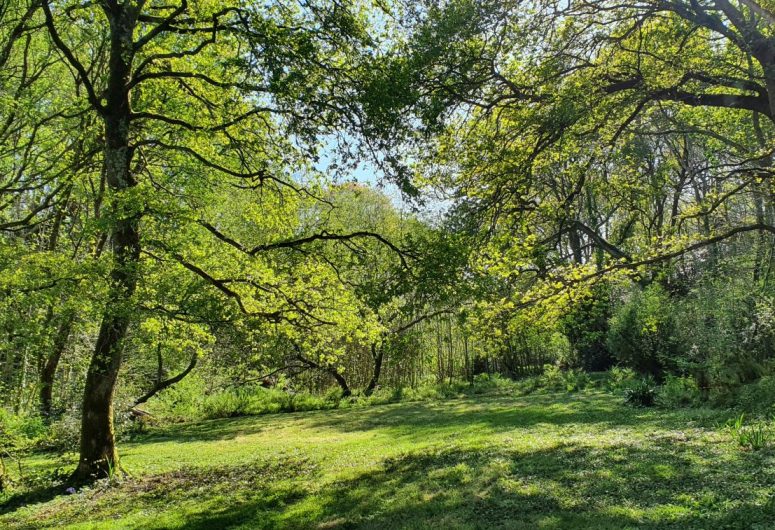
(387, 264)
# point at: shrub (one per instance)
(19, 432)
(641, 332)
(484, 382)
(527, 385)
(182, 402)
(333, 396)
(620, 378)
(227, 404)
(725, 325)
(552, 377)
(576, 380)
(64, 434)
(642, 393)
(758, 396)
(678, 392)
(585, 324)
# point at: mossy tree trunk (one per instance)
(98, 454)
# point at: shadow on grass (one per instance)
(37, 495)
(663, 485)
(666, 481)
(494, 414)
(207, 430)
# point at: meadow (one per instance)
(545, 460)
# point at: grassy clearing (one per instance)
(494, 461)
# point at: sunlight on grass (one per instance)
(542, 461)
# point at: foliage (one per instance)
(19, 432)
(181, 227)
(725, 328)
(191, 401)
(554, 378)
(620, 378)
(750, 436)
(678, 391)
(642, 393)
(642, 332)
(586, 326)
(758, 396)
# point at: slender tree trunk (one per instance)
(98, 454)
(378, 355)
(760, 193)
(469, 372)
(342, 382)
(50, 366)
(23, 381)
(339, 378)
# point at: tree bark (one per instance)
(98, 454)
(50, 366)
(378, 355)
(342, 382)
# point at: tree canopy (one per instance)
(579, 184)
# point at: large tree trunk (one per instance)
(98, 454)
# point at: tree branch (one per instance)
(161, 385)
(72, 59)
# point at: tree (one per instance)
(397, 291)
(189, 95)
(605, 138)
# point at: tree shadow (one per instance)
(205, 431)
(38, 495)
(667, 480)
(494, 414)
(568, 486)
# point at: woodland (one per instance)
(387, 263)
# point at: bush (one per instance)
(182, 402)
(585, 324)
(18, 432)
(620, 378)
(64, 434)
(641, 332)
(333, 396)
(483, 383)
(552, 377)
(555, 378)
(228, 404)
(385, 395)
(576, 380)
(189, 400)
(758, 396)
(678, 392)
(642, 393)
(527, 385)
(725, 325)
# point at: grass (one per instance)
(494, 461)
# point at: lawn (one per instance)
(496, 461)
